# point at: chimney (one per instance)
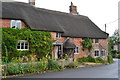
(32, 2)
(73, 9)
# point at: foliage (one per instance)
(40, 43)
(66, 58)
(110, 59)
(116, 37)
(71, 65)
(118, 56)
(90, 59)
(99, 60)
(53, 65)
(83, 59)
(87, 44)
(113, 40)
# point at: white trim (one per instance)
(98, 53)
(104, 52)
(58, 35)
(15, 24)
(24, 41)
(77, 50)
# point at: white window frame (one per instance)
(23, 41)
(58, 35)
(16, 21)
(104, 52)
(98, 53)
(76, 50)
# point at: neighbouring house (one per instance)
(67, 29)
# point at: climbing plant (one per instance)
(87, 44)
(40, 42)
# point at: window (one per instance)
(96, 53)
(96, 40)
(76, 50)
(103, 53)
(16, 24)
(23, 45)
(58, 35)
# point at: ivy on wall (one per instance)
(40, 43)
(87, 44)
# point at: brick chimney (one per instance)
(73, 9)
(32, 2)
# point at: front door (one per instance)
(57, 51)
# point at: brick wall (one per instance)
(6, 23)
(102, 44)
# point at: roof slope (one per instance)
(68, 43)
(48, 20)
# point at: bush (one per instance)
(118, 56)
(110, 59)
(99, 60)
(71, 65)
(53, 65)
(83, 59)
(13, 69)
(90, 59)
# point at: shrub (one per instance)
(99, 60)
(13, 69)
(118, 56)
(71, 65)
(91, 59)
(83, 59)
(53, 65)
(110, 59)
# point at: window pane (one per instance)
(96, 40)
(18, 24)
(58, 35)
(26, 45)
(22, 45)
(13, 24)
(18, 46)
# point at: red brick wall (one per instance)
(6, 23)
(102, 42)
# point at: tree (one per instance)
(116, 37)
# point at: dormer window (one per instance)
(96, 40)
(58, 35)
(16, 24)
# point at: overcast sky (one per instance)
(99, 11)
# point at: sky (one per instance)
(101, 12)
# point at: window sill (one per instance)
(22, 49)
(76, 53)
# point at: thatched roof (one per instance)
(48, 20)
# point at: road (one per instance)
(105, 71)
